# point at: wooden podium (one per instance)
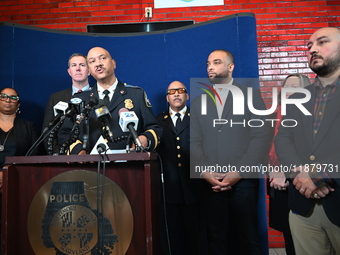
(137, 175)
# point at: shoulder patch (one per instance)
(131, 86)
(147, 101)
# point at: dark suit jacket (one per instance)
(125, 96)
(234, 145)
(296, 146)
(24, 134)
(63, 95)
(179, 188)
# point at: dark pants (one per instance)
(279, 216)
(243, 218)
(232, 222)
(181, 234)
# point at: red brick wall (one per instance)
(282, 28)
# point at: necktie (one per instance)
(178, 121)
(106, 97)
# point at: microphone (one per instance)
(59, 110)
(74, 106)
(101, 148)
(127, 122)
(92, 103)
(103, 114)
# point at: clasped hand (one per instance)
(221, 181)
(278, 180)
(306, 186)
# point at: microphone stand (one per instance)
(86, 134)
(73, 137)
(74, 134)
(45, 134)
(52, 137)
(101, 192)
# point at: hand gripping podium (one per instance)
(81, 205)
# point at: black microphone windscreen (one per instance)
(101, 148)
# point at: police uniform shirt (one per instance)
(111, 89)
(174, 116)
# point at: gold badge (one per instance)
(166, 116)
(128, 104)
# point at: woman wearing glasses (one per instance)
(278, 193)
(16, 135)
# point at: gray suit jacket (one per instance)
(236, 145)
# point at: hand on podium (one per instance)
(144, 141)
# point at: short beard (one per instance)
(219, 79)
(330, 66)
(216, 80)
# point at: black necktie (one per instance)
(178, 121)
(106, 97)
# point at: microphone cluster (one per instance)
(78, 111)
(63, 110)
(86, 110)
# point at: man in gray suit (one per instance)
(231, 197)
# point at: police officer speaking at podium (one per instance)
(115, 100)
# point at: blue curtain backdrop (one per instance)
(34, 61)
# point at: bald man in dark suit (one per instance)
(181, 192)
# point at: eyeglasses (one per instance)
(179, 90)
(3, 97)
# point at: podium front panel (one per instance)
(68, 208)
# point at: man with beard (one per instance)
(230, 198)
(180, 192)
(312, 147)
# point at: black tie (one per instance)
(106, 97)
(178, 121)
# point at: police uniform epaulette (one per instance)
(131, 86)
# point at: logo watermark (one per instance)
(215, 120)
(239, 100)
